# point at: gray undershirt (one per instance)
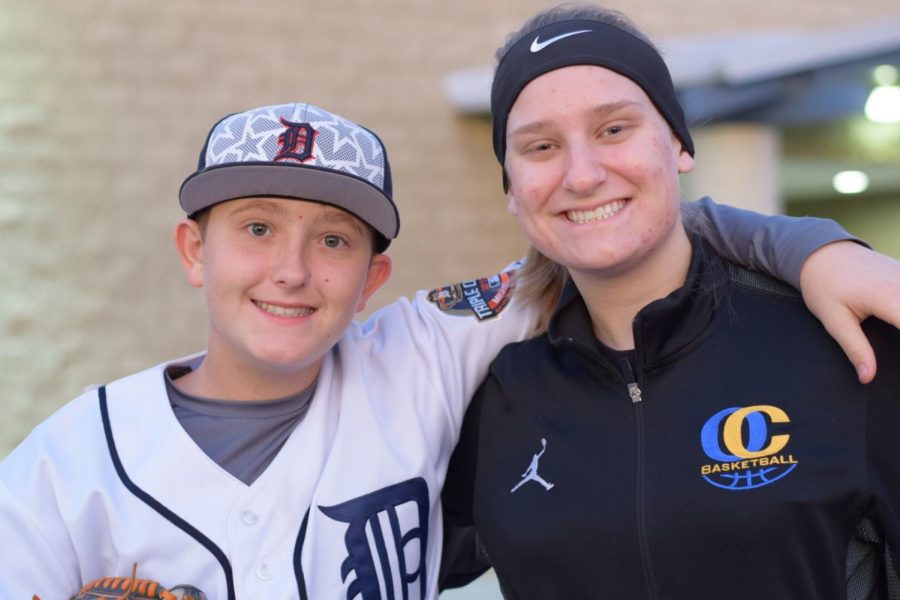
(241, 437)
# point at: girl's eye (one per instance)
(614, 129)
(542, 147)
(258, 229)
(333, 241)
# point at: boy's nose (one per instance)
(291, 268)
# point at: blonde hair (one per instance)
(540, 283)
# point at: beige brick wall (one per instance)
(104, 105)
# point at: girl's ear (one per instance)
(189, 243)
(684, 160)
(511, 206)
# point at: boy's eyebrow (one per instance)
(332, 214)
(264, 205)
(337, 215)
(598, 111)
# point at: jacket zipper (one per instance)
(629, 377)
(634, 392)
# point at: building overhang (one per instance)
(789, 77)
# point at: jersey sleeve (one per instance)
(448, 337)
(34, 564)
(775, 244)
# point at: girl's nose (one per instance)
(584, 170)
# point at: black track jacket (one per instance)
(730, 455)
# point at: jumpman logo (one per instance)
(531, 473)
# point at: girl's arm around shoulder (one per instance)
(774, 244)
(843, 282)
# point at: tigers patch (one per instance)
(485, 298)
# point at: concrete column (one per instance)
(737, 164)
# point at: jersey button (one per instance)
(249, 517)
(264, 572)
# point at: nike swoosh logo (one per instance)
(537, 46)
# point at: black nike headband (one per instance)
(582, 42)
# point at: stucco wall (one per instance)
(104, 105)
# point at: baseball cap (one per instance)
(297, 151)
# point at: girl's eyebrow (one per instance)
(600, 110)
(611, 107)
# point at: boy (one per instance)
(219, 469)
(302, 454)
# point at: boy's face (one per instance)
(283, 279)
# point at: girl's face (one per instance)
(593, 170)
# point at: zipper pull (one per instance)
(628, 373)
(635, 392)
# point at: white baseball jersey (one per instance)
(349, 508)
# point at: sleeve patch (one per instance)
(485, 298)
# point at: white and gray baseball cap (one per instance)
(297, 151)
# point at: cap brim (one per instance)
(285, 180)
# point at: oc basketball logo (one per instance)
(747, 450)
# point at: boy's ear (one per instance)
(189, 243)
(379, 270)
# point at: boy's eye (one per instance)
(258, 229)
(333, 241)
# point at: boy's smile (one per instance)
(284, 311)
(283, 278)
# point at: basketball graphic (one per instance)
(747, 454)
